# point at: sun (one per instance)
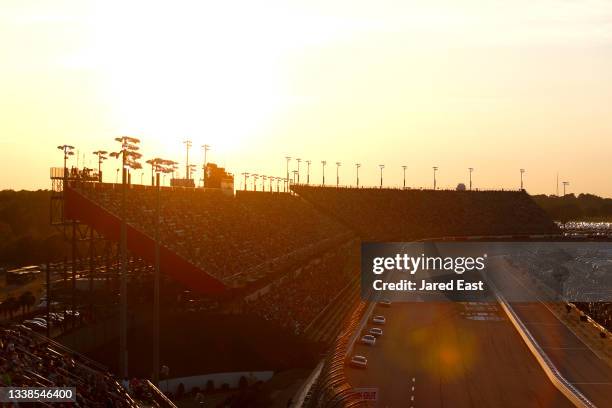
(185, 72)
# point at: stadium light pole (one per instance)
(382, 166)
(159, 166)
(192, 171)
(357, 166)
(246, 176)
(68, 151)
(323, 163)
(288, 159)
(188, 144)
(338, 164)
(101, 157)
(404, 168)
(129, 156)
(298, 170)
(470, 169)
(435, 169)
(522, 172)
(174, 170)
(152, 163)
(263, 183)
(565, 184)
(255, 177)
(205, 148)
(308, 171)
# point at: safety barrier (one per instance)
(564, 386)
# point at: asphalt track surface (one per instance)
(576, 361)
(452, 355)
(437, 353)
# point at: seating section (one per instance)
(30, 360)
(225, 236)
(297, 299)
(403, 215)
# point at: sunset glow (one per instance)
(508, 85)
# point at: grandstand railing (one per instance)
(159, 397)
(84, 359)
(407, 188)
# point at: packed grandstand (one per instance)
(291, 255)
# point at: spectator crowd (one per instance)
(298, 298)
(224, 235)
(29, 360)
(404, 215)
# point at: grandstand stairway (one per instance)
(82, 209)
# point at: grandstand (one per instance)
(417, 214)
(209, 240)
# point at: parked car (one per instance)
(385, 303)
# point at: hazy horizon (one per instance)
(486, 84)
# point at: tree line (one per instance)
(26, 234)
(583, 207)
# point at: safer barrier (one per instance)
(564, 386)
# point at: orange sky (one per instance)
(492, 85)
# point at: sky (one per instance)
(493, 85)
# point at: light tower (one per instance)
(404, 168)
(68, 151)
(101, 157)
(246, 176)
(308, 172)
(357, 166)
(338, 164)
(129, 160)
(298, 170)
(522, 172)
(255, 177)
(205, 149)
(323, 163)
(288, 158)
(470, 169)
(381, 166)
(565, 184)
(158, 166)
(187, 144)
(435, 169)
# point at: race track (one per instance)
(438, 355)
